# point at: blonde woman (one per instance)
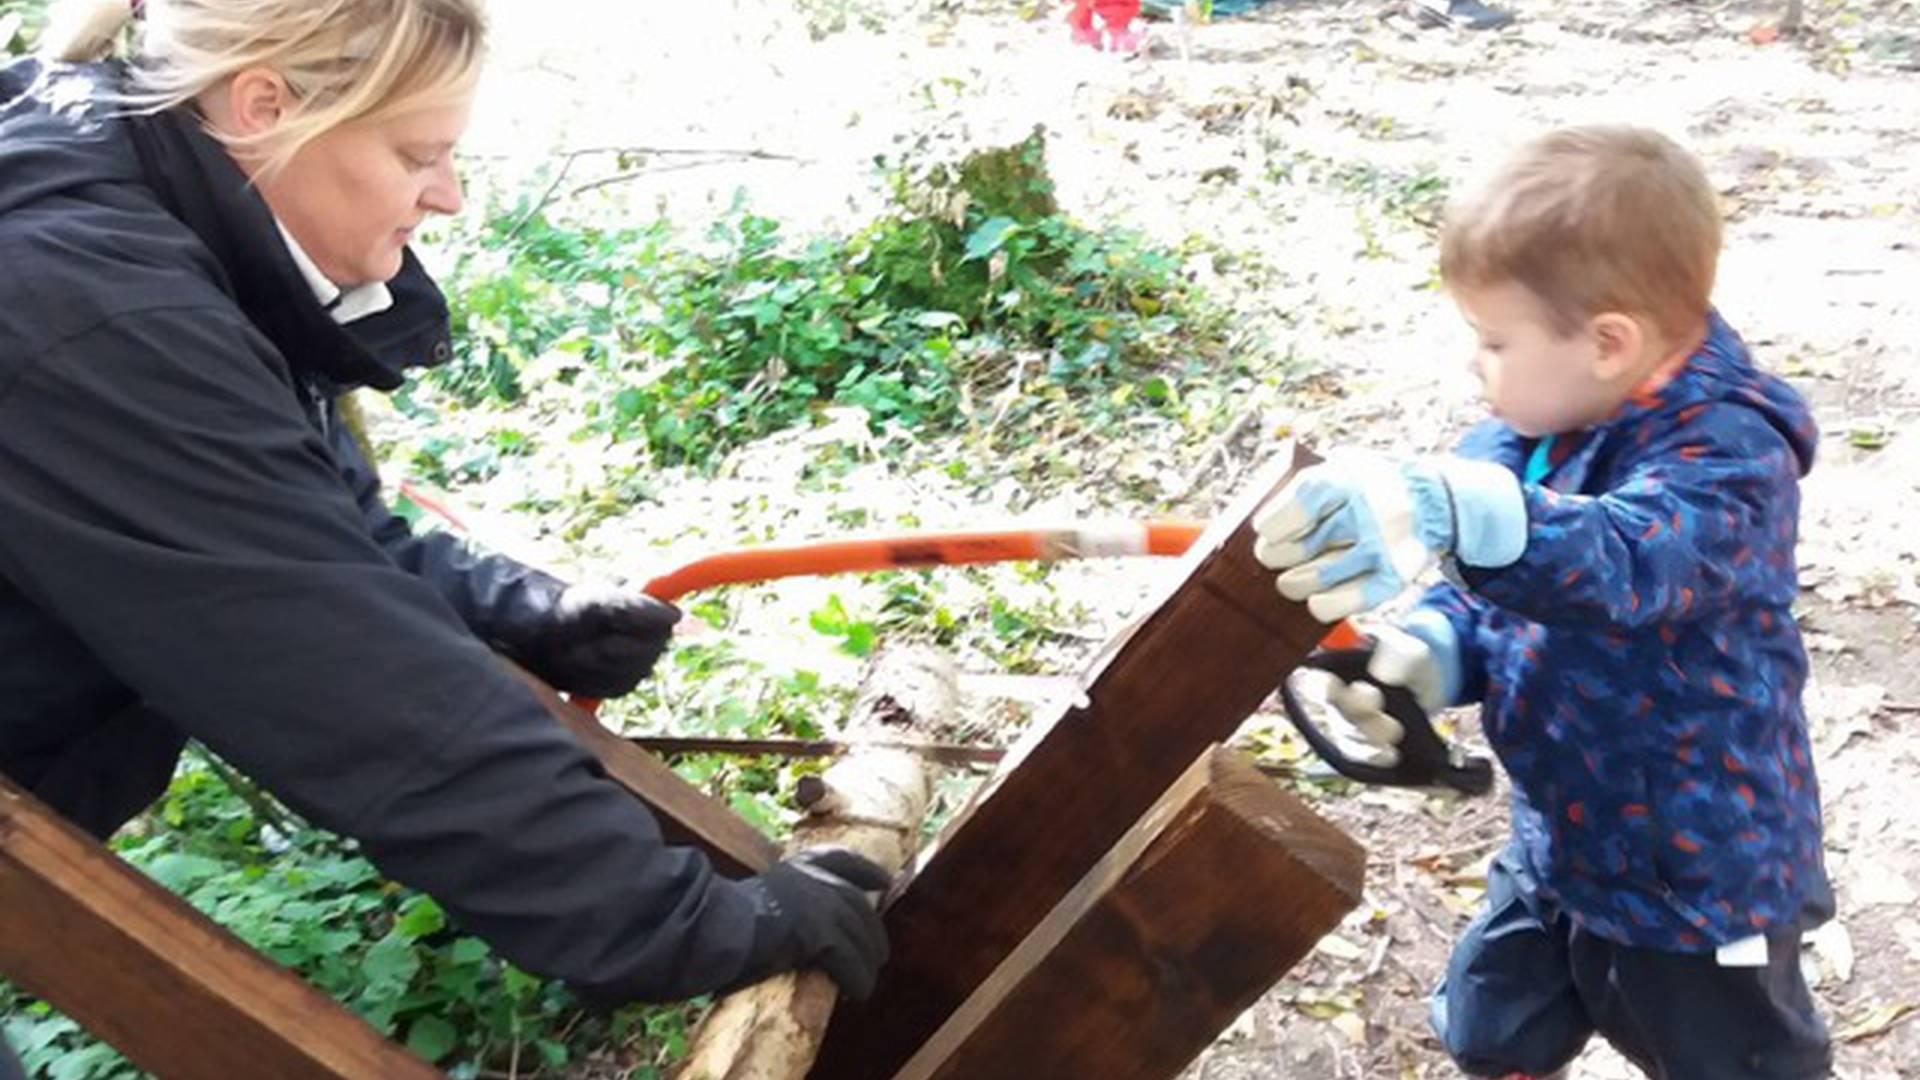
(203, 247)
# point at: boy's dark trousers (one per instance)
(9, 1065)
(1527, 987)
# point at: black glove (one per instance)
(814, 912)
(599, 641)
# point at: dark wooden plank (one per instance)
(138, 967)
(1220, 889)
(1183, 677)
(687, 815)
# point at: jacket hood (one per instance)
(1722, 371)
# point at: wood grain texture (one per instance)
(1182, 678)
(1220, 889)
(140, 969)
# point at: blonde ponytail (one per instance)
(82, 30)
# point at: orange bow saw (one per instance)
(770, 562)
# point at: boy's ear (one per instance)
(1618, 339)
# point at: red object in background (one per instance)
(1105, 24)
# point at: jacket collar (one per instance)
(197, 181)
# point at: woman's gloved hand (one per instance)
(814, 911)
(599, 641)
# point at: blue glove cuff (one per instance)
(1436, 631)
(1489, 513)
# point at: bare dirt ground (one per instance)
(1300, 153)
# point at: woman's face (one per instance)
(354, 196)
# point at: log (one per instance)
(157, 980)
(686, 814)
(1221, 888)
(872, 800)
(1182, 678)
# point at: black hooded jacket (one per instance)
(191, 547)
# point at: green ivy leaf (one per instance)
(859, 640)
(389, 965)
(553, 1053)
(180, 873)
(468, 951)
(830, 618)
(419, 917)
(431, 1037)
(990, 237)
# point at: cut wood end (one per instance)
(1240, 788)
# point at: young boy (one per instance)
(1619, 541)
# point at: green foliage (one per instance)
(20, 22)
(695, 349)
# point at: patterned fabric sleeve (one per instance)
(1707, 515)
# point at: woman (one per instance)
(203, 250)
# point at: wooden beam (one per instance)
(872, 800)
(686, 814)
(1220, 889)
(1183, 677)
(142, 970)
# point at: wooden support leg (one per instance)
(1182, 678)
(1224, 885)
(687, 815)
(154, 978)
(871, 800)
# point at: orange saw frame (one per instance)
(771, 562)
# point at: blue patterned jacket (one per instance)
(1639, 668)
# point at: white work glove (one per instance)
(1423, 660)
(1355, 531)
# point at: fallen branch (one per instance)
(938, 753)
(871, 800)
(1222, 449)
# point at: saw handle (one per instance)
(1426, 760)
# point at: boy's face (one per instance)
(1536, 381)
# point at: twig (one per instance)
(1455, 854)
(637, 174)
(1222, 447)
(568, 157)
(943, 753)
(566, 166)
(1007, 396)
(688, 151)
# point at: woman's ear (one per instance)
(256, 101)
(1618, 340)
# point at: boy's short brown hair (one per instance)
(1593, 220)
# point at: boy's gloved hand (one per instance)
(1423, 658)
(599, 640)
(1352, 533)
(814, 912)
